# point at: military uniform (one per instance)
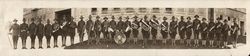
(105, 25)
(154, 29)
(90, 30)
(225, 30)
(173, 29)
(188, 27)
(56, 32)
(112, 25)
(218, 35)
(234, 33)
(72, 30)
(120, 26)
(145, 30)
(164, 32)
(181, 29)
(40, 33)
(135, 30)
(15, 32)
(24, 33)
(97, 29)
(196, 22)
(203, 29)
(127, 24)
(48, 32)
(32, 32)
(81, 29)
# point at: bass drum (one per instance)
(119, 38)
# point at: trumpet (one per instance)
(205, 29)
(164, 28)
(211, 28)
(197, 26)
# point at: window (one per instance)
(129, 10)
(117, 10)
(156, 10)
(94, 11)
(168, 10)
(104, 10)
(142, 10)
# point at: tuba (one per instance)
(134, 26)
(145, 26)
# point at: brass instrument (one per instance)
(211, 28)
(182, 28)
(205, 29)
(197, 26)
(174, 27)
(234, 30)
(155, 24)
(164, 28)
(134, 26)
(189, 25)
(145, 26)
(56, 27)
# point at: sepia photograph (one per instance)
(130, 28)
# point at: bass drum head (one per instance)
(119, 38)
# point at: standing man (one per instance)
(40, 33)
(24, 33)
(173, 30)
(135, 28)
(97, 29)
(32, 33)
(127, 25)
(112, 25)
(15, 32)
(120, 25)
(105, 26)
(90, 29)
(225, 31)
(196, 25)
(164, 29)
(203, 29)
(64, 29)
(189, 26)
(211, 34)
(72, 30)
(48, 32)
(154, 26)
(218, 35)
(81, 29)
(181, 29)
(234, 32)
(56, 31)
(145, 30)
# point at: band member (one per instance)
(112, 25)
(127, 26)
(234, 32)
(189, 26)
(181, 29)
(120, 25)
(225, 31)
(90, 29)
(32, 33)
(56, 31)
(97, 29)
(154, 24)
(105, 25)
(71, 30)
(196, 25)
(48, 32)
(81, 29)
(203, 29)
(218, 34)
(40, 33)
(24, 33)
(211, 32)
(173, 30)
(15, 28)
(135, 26)
(145, 30)
(64, 30)
(164, 29)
